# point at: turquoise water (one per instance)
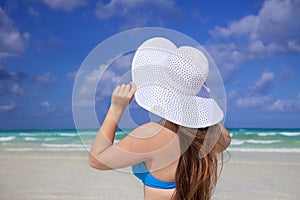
(265, 140)
(250, 140)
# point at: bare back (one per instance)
(162, 167)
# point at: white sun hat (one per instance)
(170, 83)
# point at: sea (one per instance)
(243, 140)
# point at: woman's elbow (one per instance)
(92, 161)
(95, 163)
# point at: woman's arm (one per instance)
(144, 143)
(121, 98)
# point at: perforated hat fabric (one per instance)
(169, 81)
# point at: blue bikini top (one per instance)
(140, 170)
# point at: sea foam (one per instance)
(61, 145)
(267, 134)
(271, 150)
(8, 138)
(237, 142)
(262, 141)
(30, 139)
(290, 133)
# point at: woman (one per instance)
(178, 157)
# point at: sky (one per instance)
(255, 44)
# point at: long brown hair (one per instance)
(197, 171)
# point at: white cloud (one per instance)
(252, 101)
(8, 107)
(117, 72)
(257, 96)
(232, 94)
(46, 78)
(268, 103)
(265, 77)
(105, 83)
(228, 57)
(294, 45)
(265, 83)
(19, 83)
(277, 20)
(64, 5)
(17, 89)
(88, 90)
(10, 83)
(241, 27)
(257, 46)
(289, 105)
(123, 62)
(126, 7)
(71, 75)
(98, 75)
(277, 106)
(273, 30)
(137, 12)
(12, 41)
(45, 104)
(110, 76)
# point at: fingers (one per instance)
(133, 89)
(125, 90)
(117, 89)
(123, 95)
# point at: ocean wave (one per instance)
(86, 132)
(289, 133)
(50, 139)
(262, 141)
(8, 138)
(64, 149)
(31, 139)
(28, 134)
(43, 149)
(237, 142)
(250, 133)
(267, 134)
(68, 134)
(19, 149)
(61, 145)
(271, 150)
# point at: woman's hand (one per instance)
(123, 95)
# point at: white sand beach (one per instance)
(67, 175)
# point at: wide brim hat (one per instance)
(171, 83)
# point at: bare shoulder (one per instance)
(146, 138)
(147, 130)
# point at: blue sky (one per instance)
(255, 44)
